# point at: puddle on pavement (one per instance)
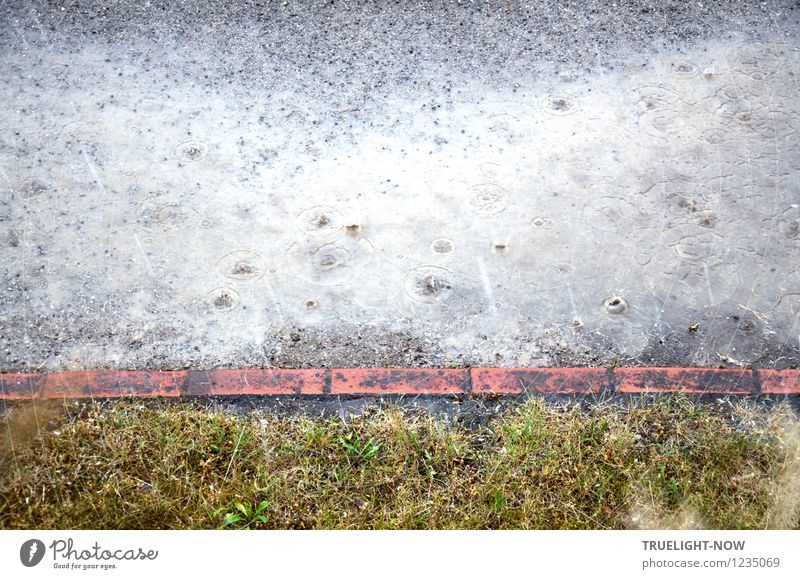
(149, 223)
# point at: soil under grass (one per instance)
(668, 463)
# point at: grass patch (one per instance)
(671, 463)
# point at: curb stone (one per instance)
(397, 381)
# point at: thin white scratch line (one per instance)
(5, 176)
(572, 300)
(660, 315)
(272, 375)
(95, 174)
(274, 299)
(144, 254)
(487, 285)
(233, 456)
(708, 282)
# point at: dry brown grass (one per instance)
(671, 463)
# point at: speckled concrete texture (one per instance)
(343, 184)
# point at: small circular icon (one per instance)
(31, 553)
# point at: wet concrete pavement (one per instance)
(347, 184)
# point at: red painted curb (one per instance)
(779, 381)
(113, 384)
(687, 380)
(398, 381)
(539, 380)
(20, 386)
(266, 381)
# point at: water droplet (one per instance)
(242, 265)
(429, 283)
(223, 299)
(443, 245)
(615, 305)
(191, 150)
